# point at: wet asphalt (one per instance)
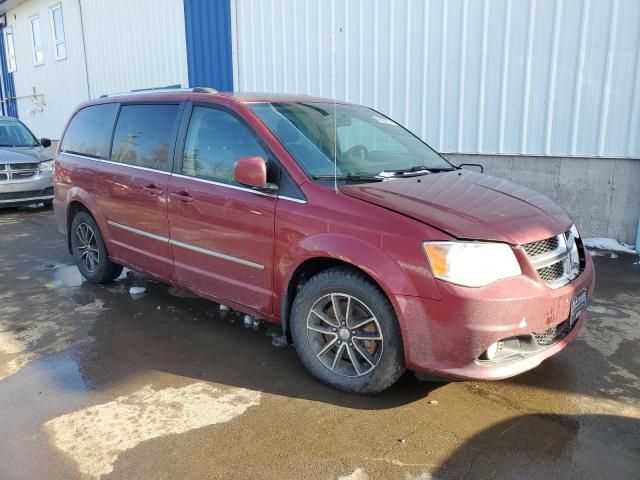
(98, 383)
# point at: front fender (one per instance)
(363, 255)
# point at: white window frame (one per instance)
(11, 59)
(57, 41)
(34, 48)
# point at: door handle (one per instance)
(152, 190)
(182, 196)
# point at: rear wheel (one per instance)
(346, 333)
(90, 252)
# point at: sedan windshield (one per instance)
(364, 143)
(15, 134)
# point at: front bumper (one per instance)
(447, 337)
(38, 188)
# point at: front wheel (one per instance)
(90, 252)
(346, 333)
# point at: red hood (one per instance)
(469, 205)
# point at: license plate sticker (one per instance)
(578, 305)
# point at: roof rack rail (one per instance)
(162, 89)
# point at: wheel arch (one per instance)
(318, 253)
(78, 200)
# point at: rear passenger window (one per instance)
(215, 140)
(89, 132)
(143, 135)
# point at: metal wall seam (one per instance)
(577, 101)
(557, 15)
(607, 83)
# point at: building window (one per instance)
(36, 41)
(10, 50)
(57, 29)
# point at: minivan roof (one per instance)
(186, 94)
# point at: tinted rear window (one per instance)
(144, 134)
(89, 132)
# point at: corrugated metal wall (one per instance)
(208, 34)
(129, 45)
(62, 83)
(133, 45)
(534, 77)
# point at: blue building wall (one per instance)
(208, 37)
(8, 90)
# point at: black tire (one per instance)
(93, 263)
(355, 293)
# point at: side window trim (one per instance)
(182, 138)
(174, 133)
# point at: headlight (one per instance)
(46, 166)
(471, 264)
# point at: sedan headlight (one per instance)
(46, 166)
(471, 264)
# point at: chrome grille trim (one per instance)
(17, 171)
(552, 259)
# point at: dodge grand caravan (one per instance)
(25, 165)
(373, 252)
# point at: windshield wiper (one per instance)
(414, 171)
(350, 176)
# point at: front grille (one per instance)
(552, 272)
(45, 192)
(23, 166)
(17, 171)
(557, 260)
(543, 246)
(553, 334)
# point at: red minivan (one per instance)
(372, 251)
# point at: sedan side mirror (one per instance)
(45, 142)
(252, 172)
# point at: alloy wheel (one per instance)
(344, 334)
(87, 248)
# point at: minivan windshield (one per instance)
(365, 144)
(14, 134)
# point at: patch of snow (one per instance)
(94, 307)
(137, 290)
(610, 244)
(358, 474)
(94, 437)
(602, 310)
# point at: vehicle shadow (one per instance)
(549, 446)
(170, 331)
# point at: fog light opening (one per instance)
(491, 352)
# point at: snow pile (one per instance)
(608, 244)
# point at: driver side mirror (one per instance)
(252, 172)
(45, 142)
